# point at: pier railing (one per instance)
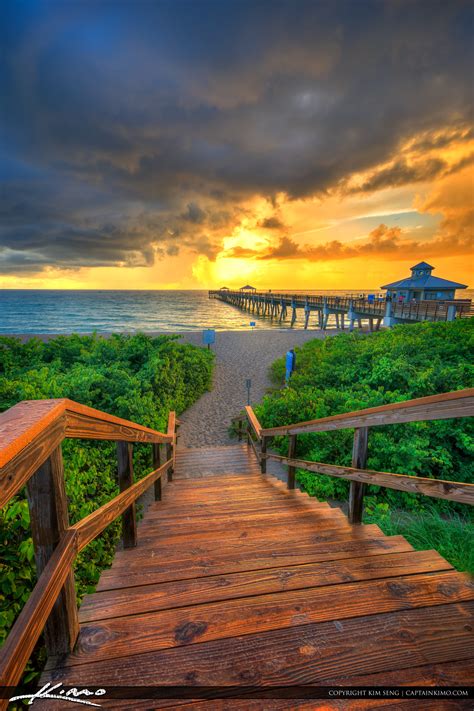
(437, 407)
(271, 303)
(30, 454)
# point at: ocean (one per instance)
(39, 311)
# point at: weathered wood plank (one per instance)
(435, 407)
(292, 443)
(90, 526)
(221, 524)
(359, 461)
(162, 571)
(201, 510)
(31, 620)
(171, 445)
(253, 421)
(49, 520)
(84, 426)
(254, 448)
(125, 480)
(23, 423)
(156, 457)
(437, 488)
(179, 593)
(31, 430)
(240, 531)
(251, 615)
(310, 653)
(238, 540)
(176, 552)
(14, 474)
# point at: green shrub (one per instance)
(452, 534)
(135, 377)
(354, 371)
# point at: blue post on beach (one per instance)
(290, 365)
(208, 337)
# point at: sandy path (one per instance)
(239, 355)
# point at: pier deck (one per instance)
(237, 580)
(346, 311)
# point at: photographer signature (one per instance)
(47, 692)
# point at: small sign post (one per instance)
(252, 324)
(208, 337)
(248, 385)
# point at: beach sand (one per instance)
(239, 355)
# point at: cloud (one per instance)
(136, 129)
(272, 223)
(383, 241)
(194, 214)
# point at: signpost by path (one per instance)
(208, 337)
(248, 385)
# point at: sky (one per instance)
(192, 144)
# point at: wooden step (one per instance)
(252, 615)
(118, 603)
(161, 571)
(237, 581)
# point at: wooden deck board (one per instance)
(132, 601)
(236, 581)
(317, 653)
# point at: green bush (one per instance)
(451, 534)
(135, 377)
(354, 371)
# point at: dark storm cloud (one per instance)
(272, 223)
(130, 130)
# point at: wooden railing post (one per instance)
(291, 455)
(170, 446)
(169, 455)
(125, 480)
(263, 459)
(49, 519)
(359, 461)
(156, 465)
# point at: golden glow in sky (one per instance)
(310, 145)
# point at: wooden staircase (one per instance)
(234, 584)
(237, 580)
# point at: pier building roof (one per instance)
(421, 278)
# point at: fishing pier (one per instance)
(346, 311)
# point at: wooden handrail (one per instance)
(92, 525)
(31, 430)
(30, 622)
(455, 404)
(30, 438)
(459, 403)
(253, 421)
(436, 488)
